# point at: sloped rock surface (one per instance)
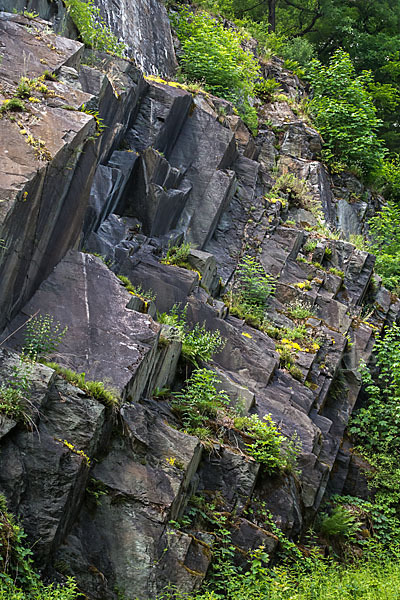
(118, 351)
(169, 168)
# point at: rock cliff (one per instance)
(100, 173)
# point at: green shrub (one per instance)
(92, 28)
(345, 115)
(198, 342)
(270, 447)
(15, 391)
(296, 190)
(299, 49)
(250, 292)
(265, 89)
(213, 54)
(12, 105)
(18, 580)
(384, 230)
(391, 178)
(178, 255)
(200, 400)
(299, 310)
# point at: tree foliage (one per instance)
(344, 112)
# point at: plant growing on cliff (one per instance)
(92, 28)
(345, 115)
(178, 255)
(213, 54)
(199, 401)
(15, 391)
(250, 291)
(198, 342)
(18, 580)
(268, 445)
(96, 389)
(385, 243)
(43, 336)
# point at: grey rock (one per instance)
(78, 294)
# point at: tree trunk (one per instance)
(271, 16)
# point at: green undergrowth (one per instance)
(96, 389)
(137, 290)
(378, 579)
(178, 255)
(18, 578)
(250, 291)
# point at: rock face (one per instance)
(99, 489)
(143, 26)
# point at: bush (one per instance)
(200, 400)
(250, 292)
(385, 243)
(391, 178)
(18, 580)
(178, 255)
(43, 336)
(298, 49)
(265, 89)
(345, 115)
(198, 343)
(92, 28)
(213, 54)
(270, 447)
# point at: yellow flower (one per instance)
(246, 334)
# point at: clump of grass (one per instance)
(96, 389)
(178, 255)
(337, 272)
(137, 290)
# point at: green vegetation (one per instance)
(92, 28)
(198, 343)
(385, 234)
(299, 310)
(376, 429)
(96, 389)
(213, 54)
(345, 115)
(199, 402)
(18, 579)
(137, 290)
(341, 522)
(295, 190)
(268, 446)
(178, 255)
(313, 579)
(43, 335)
(203, 408)
(250, 291)
(12, 105)
(15, 391)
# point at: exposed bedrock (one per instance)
(99, 488)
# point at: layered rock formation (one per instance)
(96, 486)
